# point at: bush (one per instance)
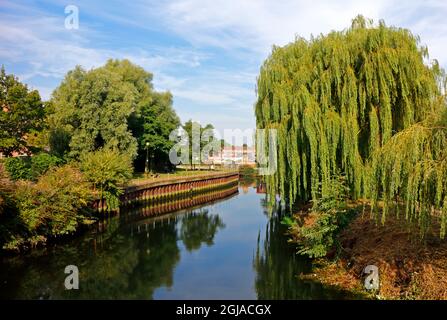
(41, 162)
(329, 216)
(30, 168)
(19, 168)
(245, 170)
(56, 205)
(108, 170)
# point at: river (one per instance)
(233, 248)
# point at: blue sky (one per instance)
(207, 53)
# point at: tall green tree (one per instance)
(198, 137)
(411, 170)
(93, 107)
(152, 127)
(22, 113)
(337, 98)
(111, 107)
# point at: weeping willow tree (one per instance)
(336, 99)
(410, 171)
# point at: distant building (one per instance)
(234, 155)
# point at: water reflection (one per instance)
(278, 267)
(233, 248)
(198, 228)
(122, 263)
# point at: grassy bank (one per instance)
(141, 178)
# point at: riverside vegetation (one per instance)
(84, 143)
(361, 120)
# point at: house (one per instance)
(239, 155)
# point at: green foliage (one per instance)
(7, 189)
(42, 162)
(93, 108)
(336, 99)
(107, 170)
(54, 206)
(59, 142)
(331, 215)
(152, 127)
(245, 170)
(54, 202)
(18, 168)
(205, 134)
(30, 168)
(411, 170)
(111, 107)
(21, 113)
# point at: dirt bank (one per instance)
(408, 268)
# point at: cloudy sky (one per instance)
(206, 52)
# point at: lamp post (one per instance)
(151, 167)
(146, 166)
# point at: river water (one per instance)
(233, 248)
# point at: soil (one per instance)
(409, 268)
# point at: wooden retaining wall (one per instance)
(157, 191)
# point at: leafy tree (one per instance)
(206, 136)
(336, 99)
(59, 142)
(411, 170)
(152, 127)
(93, 107)
(21, 114)
(107, 170)
(112, 107)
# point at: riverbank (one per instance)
(61, 204)
(224, 249)
(168, 187)
(408, 268)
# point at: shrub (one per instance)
(53, 206)
(107, 170)
(41, 162)
(30, 168)
(57, 203)
(7, 188)
(245, 170)
(19, 168)
(329, 215)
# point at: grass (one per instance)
(140, 177)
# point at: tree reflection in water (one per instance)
(199, 227)
(123, 262)
(132, 257)
(278, 266)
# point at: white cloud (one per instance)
(212, 75)
(258, 24)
